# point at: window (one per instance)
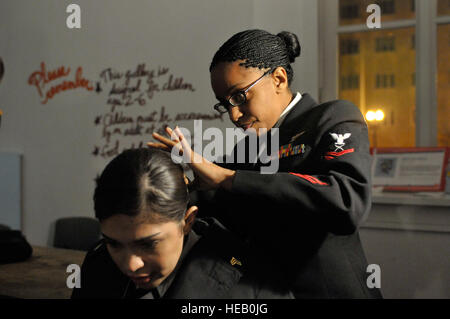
(350, 82)
(443, 7)
(384, 63)
(443, 72)
(384, 81)
(354, 11)
(443, 84)
(387, 6)
(349, 46)
(392, 80)
(385, 44)
(415, 34)
(350, 11)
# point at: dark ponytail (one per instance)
(260, 49)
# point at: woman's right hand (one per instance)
(207, 174)
(166, 143)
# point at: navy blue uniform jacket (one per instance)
(303, 220)
(216, 267)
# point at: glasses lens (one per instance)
(237, 99)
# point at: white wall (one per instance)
(301, 18)
(57, 139)
(413, 264)
(411, 244)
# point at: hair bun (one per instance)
(292, 44)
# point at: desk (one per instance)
(43, 276)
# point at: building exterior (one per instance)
(377, 71)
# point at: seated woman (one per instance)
(153, 246)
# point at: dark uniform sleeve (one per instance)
(336, 187)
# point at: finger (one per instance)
(194, 157)
(173, 136)
(169, 131)
(178, 133)
(163, 139)
(181, 138)
(166, 148)
(158, 146)
(152, 144)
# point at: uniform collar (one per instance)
(190, 240)
(209, 263)
(290, 121)
(283, 115)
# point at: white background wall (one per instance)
(411, 244)
(57, 139)
(413, 264)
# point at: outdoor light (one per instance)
(374, 117)
(370, 116)
(377, 115)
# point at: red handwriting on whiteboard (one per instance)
(41, 78)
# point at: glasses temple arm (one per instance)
(254, 83)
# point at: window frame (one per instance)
(425, 23)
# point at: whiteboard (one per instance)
(61, 89)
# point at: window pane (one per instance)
(443, 7)
(355, 11)
(384, 67)
(443, 86)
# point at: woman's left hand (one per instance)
(207, 174)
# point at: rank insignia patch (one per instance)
(339, 138)
(332, 155)
(234, 261)
(289, 150)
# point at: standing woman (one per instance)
(303, 220)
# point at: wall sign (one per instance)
(51, 82)
(410, 169)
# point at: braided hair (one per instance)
(260, 49)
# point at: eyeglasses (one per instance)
(238, 98)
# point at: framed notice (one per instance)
(418, 169)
